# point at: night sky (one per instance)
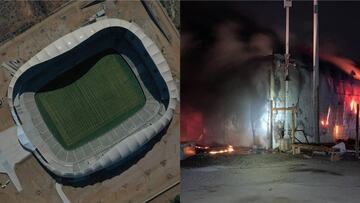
(339, 22)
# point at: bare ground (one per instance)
(269, 178)
(37, 185)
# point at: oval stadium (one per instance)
(92, 98)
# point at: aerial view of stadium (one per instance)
(88, 102)
(83, 109)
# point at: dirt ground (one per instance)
(269, 178)
(167, 196)
(37, 185)
(5, 116)
(15, 16)
(158, 169)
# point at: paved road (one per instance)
(61, 193)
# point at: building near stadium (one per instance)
(92, 98)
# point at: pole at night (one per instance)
(287, 5)
(316, 74)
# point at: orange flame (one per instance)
(229, 149)
(189, 151)
(352, 105)
(200, 147)
(336, 129)
(337, 132)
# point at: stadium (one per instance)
(92, 98)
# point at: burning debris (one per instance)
(229, 150)
(189, 149)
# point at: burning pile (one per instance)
(214, 150)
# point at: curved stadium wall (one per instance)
(147, 73)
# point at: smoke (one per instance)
(229, 51)
(225, 77)
(346, 65)
(330, 54)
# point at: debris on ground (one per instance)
(3, 186)
(341, 146)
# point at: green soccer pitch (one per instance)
(102, 98)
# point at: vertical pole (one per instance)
(287, 5)
(293, 127)
(316, 74)
(252, 125)
(287, 28)
(271, 125)
(357, 131)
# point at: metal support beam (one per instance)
(316, 74)
(294, 110)
(293, 124)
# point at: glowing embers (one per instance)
(201, 147)
(337, 132)
(189, 151)
(229, 150)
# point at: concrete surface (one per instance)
(61, 193)
(269, 178)
(11, 153)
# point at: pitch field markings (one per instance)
(105, 96)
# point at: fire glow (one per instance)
(353, 106)
(201, 147)
(229, 149)
(326, 123)
(337, 132)
(192, 128)
(189, 151)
